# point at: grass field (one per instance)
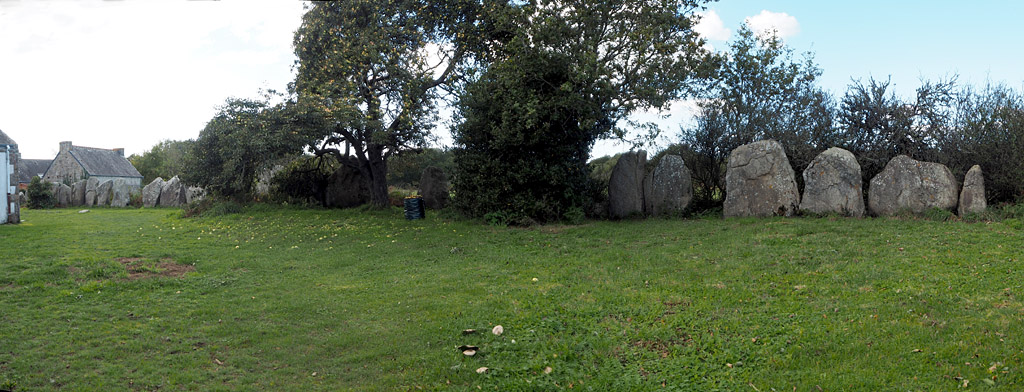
(289, 299)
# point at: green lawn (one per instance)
(289, 299)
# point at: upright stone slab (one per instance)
(626, 185)
(120, 193)
(174, 193)
(347, 188)
(972, 196)
(760, 182)
(78, 193)
(671, 187)
(434, 188)
(63, 195)
(194, 193)
(832, 183)
(91, 186)
(103, 192)
(909, 185)
(151, 193)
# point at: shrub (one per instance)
(304, 180)
(39, 194)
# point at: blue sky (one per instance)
(979, 41)
(131, 73)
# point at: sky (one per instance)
(131, 73)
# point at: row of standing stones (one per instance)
(170, 193)
(118, 193)
(92, 192)
(760, 182)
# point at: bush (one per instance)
(521, 151)
(304, 181)
(39, 194)
(208, 206)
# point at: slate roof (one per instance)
(103, 162)
(28, 168)
(4, 139)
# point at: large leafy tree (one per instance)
(243, 138)
(559, 75)
(166, 159)
(370, 71)
(760, 92)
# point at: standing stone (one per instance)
(760, 182)
(78, 193)
(832, 183)
(434, 188)
(347, 188)
(914, 186)
(264, 180)
(194, 193)
(103, 193)
(120, 193)
(671, 187)
(972, 197)
(151, 192)
(626, 185)
(173, 193)
(22, 198)
(90, 191)
(63, 195)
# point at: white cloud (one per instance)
(785, 25)
(711, 27)
(129, 74)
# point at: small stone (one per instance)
(83, 211)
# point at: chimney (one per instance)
(119, 151)
(65, 146)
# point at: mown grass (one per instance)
(289, 299)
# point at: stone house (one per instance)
(74, 163)
(10, 208)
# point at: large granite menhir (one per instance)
(760, 182)
(434, 188)
(972, 196)
(913, 186)
(626, 185)
(669, 188)
(151, 193)
(832, 184)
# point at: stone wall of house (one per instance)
(65, 169)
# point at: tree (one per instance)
(364, 67)
(876, 125)
(166, 159)
(988, 130)
(39, 194)
(240, 141)
(760, 92)
(565, 74)
(405, 170)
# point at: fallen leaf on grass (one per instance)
(468, 331)
(217, 361)
(498, 330)
(547, 370)
(482, 370)
(916, 350)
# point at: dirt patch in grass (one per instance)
(138, 268)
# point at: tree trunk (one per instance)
(377, 178)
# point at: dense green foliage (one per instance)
(364, 67)
(39, 194)
(522, 153)
(405, 170)
(760, 92)
(288, 299)
(166, 159)
(565, 75)
(304, 180)
(245, 137)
